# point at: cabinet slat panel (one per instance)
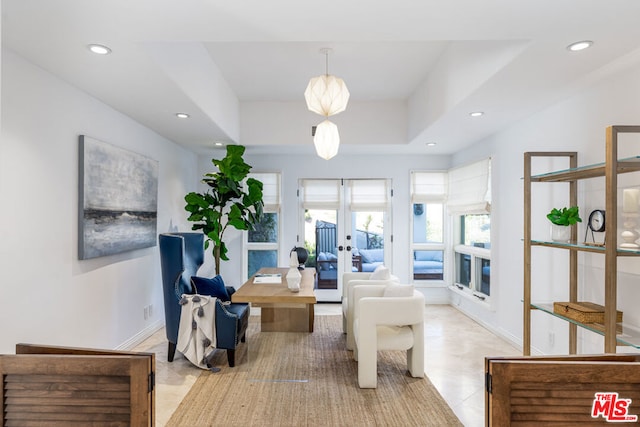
(560, 391)
(60, 398)
(51, 390)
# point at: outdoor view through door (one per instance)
(346, 227)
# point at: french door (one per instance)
(345, 224)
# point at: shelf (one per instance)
(626, 335)
(630, 164)
(584, 248)
(614, 165)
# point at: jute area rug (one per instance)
(308, 379)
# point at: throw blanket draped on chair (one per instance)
(197, 330)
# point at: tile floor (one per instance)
(454, 362)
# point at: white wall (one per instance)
(295, 167)
(285, 123)
(47, 295)
(577, 124)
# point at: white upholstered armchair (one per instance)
(387, 318)
(349, 280)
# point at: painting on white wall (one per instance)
(118, 199)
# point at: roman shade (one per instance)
(369, 194)
(428, 186)
(470, 189)
(321, 193)
(270, 190)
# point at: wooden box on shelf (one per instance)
(583, 311)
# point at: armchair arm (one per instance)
(372, 308)
(347, 277)
(350, 286)
(228, 325)
(363, 291)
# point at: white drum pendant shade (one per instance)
(326, 140)
(326, 95)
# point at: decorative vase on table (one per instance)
(560, 233)
(293, 275)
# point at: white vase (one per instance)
(293, 279)
(560, 233)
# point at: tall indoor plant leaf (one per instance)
(232, 200)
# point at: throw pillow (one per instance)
(323, 257)
(364, 254)
(212, 287)
(398, 291)
(333, 264)
(380, 273)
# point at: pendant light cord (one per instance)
(326, 55)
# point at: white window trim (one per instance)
(264, 246)
(469, 193)
(437, 194)
(429, 283)
(472, 291)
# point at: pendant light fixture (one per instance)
(326, 95)
(326, 139)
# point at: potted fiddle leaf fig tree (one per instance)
(561, 222)
(232, 200)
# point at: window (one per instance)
(476, 230)
(346, 228)
(469, 204)
(261, 243)
(473, 270)
(321, 200)
(369, 204)
(428, 191)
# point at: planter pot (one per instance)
(560, 233)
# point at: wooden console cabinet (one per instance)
(561, 390)
(62, 386)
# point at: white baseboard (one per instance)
(141, 336)
(435, 295)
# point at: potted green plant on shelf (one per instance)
(230, 201)
(561, 222)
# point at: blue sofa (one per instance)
(371, 258)
(427, 265)
(327, 270)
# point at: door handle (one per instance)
(340, 248)
(349, 248)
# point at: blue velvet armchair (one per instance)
(181, 255)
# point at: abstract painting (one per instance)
(118, 199)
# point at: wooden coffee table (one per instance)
(281, 309)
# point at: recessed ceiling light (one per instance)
(99, 49)
(581, 45)
(218, 144)
(431, 144)
(182, 115)
(476, 114)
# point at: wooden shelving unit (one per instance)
(610, 170)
